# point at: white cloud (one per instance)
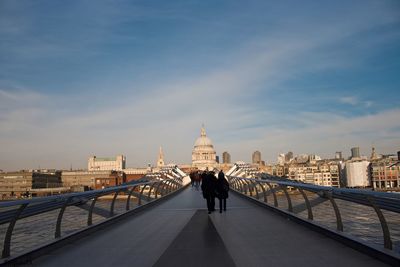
(351, 100)
(355, 101)
(38, 130)
(336, 133)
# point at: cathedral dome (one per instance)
(203, 140)
(203, 154)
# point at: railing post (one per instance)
(254, 184)
(233, 181)
(151, 189)
(249, 187)
(236, 184)
(129, 197)
(175, 184)
(264, 193)
(339, 223)
(289, 201)
(157, 188)
(57, 233)
(245, 187)
(308, 205)
(178, 183)
(164, 184)
(169, 186)
(387, 242)
(273, 193)
(89, 220)
(140, 195)
(113, 202)
(10, 229)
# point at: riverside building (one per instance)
(385, 174)
(88, 180)
(24, 183)
(106, 164)
(324, 173)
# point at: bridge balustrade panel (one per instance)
(370, 217)
(27, 224)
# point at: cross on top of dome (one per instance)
(203, 131)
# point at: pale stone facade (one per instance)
(321, 173)
(357, 173)
(203, 154)
(106, 164)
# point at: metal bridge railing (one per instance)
(263, 190)
(147, 189)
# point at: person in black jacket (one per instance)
(208, 186)
(222, 189)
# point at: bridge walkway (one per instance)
(179, 232)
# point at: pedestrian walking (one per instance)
(208, 186)
(222, 189)
(191, 175)
(197, 180)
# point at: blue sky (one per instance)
(81, 78)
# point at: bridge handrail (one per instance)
(384, 200)
(86, 194)
(18, 209)
(376, 200)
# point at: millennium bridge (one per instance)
(160, 220)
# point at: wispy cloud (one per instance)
(233, 94)
(351, 100)
(355, 101)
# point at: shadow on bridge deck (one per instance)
(179, 232)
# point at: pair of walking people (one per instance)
(213, 187)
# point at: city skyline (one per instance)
(107, 78)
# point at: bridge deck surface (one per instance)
(179, 232)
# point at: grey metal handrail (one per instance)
(377, 200)
(16, 210)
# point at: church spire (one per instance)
(160, 161)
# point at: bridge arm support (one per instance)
(141, 194)
(387, 242)
(151, 189)
(10, 229)
(264, 192)
(254, 184)
(57, 233)
(289, 201)
(273, 193)
(308, 205)
(90, 214)
(113, 203)
(129, 197)
(339, 223)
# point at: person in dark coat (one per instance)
(191, 175)
(208, 186)
(222, 189)
(197, 180)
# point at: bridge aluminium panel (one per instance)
(259, 190)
